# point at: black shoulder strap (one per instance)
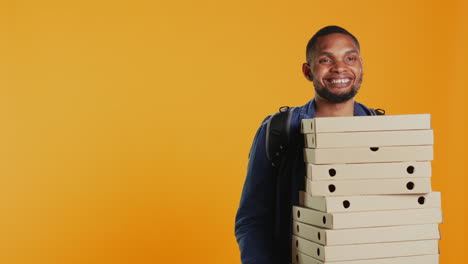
(277, 137)
(377, 111)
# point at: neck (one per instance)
(324, 108)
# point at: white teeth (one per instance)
(340, 80)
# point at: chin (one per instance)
(337, 97)
(341, 92)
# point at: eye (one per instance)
(351, 59)
(324, 60)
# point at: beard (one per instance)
(328, 95)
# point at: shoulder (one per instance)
(289, 117)
(362, 110)
(305, 111)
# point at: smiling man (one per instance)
(263, 220)
(334, 65)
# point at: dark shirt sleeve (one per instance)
(254, 227)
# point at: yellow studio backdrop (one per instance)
(125, 125)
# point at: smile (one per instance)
(339, 81)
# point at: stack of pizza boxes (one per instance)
(368, 197)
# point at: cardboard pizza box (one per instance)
(369, 139)
(367, 219)
(365, 251)
(332, 237)
(301, 258)
(366, 123)
(368, 155)
(332, 204)
(385, 170)
(369, 186)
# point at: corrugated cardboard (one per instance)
(367, 219)
(369, 139)
(365, 155)
(331, 237)
(365, 251)
(366, 123)
(332, 204)
(365, 187)
(312, 217)
(386, 170)
(301, 258)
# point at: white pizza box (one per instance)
(354, 171)
(331, 237)
(333, 204)
(368, 186)
(367, 155)
(370, 139)
(301, 258)
(365, 251)
(366, 123)
(367, 219)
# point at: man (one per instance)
(263, 221)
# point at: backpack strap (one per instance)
(377, 111)
(277, 136)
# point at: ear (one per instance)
(307, 71)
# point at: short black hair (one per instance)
(323, 32)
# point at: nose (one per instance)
(339, 67)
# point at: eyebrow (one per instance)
(329, 53)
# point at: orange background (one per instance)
(125, 125)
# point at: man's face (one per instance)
(336, 68)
